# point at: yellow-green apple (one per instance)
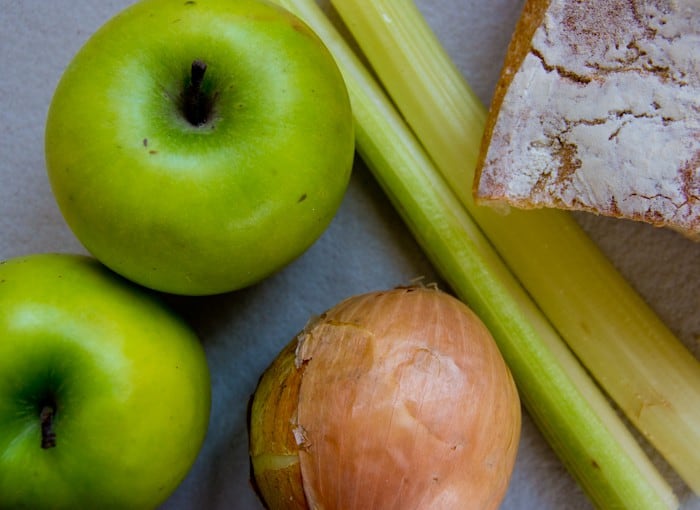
(196, 147)
(104, 392)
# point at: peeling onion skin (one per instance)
(390, 400)
(273, 448)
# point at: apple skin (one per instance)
(128, 378)
(204, 209)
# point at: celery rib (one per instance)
(637, 360)
(566, 404)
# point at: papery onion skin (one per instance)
(404, 402)
(273, 447)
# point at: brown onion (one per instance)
(390, 400)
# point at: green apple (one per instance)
(196, 147)
(104, 392)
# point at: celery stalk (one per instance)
(637, 360)
(572, 413)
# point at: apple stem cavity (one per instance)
(197, 105)
(48, 436)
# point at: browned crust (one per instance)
(530, 19)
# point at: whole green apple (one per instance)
(104, 392)
(196, 147)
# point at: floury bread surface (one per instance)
(598, 109)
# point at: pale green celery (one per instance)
(637, 360)
(572, 413)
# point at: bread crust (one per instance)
(598, 109)
(520, 44)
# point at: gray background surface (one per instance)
(366, 248)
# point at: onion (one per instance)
(389, 400)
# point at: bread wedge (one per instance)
(598, 109)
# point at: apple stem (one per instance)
(196, 103)
(48, 436)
